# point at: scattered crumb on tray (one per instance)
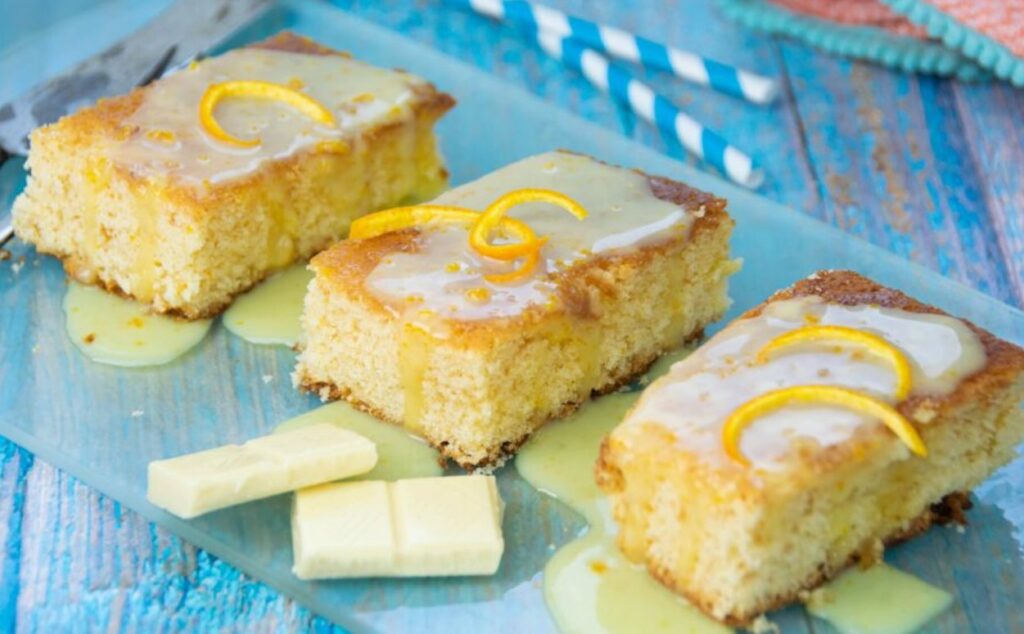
(762, 625)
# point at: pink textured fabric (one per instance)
(854, 12)
(1000, 20)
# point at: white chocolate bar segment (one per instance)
(205, 481)
(343, 527)
(445, 526)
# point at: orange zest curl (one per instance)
(483, 225)
(399, 218)
(869, 341)
(491, 217)
(215, 93)
(816, 394)
(404, 217)
(523, 272)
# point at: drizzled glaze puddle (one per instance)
(117, 331)
(270, 313)
(399, 455)
(588, 585)
(879, 600)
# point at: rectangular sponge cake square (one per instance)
(811, 486)
(136, 194)
(405, 325)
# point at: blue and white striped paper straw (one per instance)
(621, 44)
(641, 98)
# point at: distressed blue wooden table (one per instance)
(929, 169)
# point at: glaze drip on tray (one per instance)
(399, 454)
(271, 312)
(589, 586)
(113, 330)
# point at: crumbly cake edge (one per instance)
(951, 509)
(328, 391)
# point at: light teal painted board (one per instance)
(216, 395)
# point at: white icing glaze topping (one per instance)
(444, 278)
(699, 392)
(359, 96)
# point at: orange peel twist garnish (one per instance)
(399, 218)
(258, 90)
(483, 224)
(816, 394)
(495, 212)
(871, 342)
(529, 264)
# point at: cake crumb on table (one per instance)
(762, 625)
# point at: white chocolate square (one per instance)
(309, 452)
(345, 526)
(448, 523)
(197, 483)
(443, 526)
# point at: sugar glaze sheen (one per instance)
(168, 138)
(444, 277)
(721, 376)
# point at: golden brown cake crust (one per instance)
(346, 264)
(106, 122)
(289, 42)
(108, 114)
(1004, 366)
(1004, 363)
(1004, 360)
(429, 104)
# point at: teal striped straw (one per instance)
(706, 144)
(623, 45)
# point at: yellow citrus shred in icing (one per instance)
(399, 218)
(215, 93)
(816, 394)
(483, 225)
(491, 219)
(869, 341)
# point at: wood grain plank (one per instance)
(894, 158)
(87, 564)
(14, 465)
(770, 134)
(993, 117)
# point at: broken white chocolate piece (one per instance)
(205, 481)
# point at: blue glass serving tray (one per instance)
(77, 414)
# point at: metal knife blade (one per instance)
(185, 29)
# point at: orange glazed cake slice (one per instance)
(475, 352)
(836, 417)
(187, 192)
